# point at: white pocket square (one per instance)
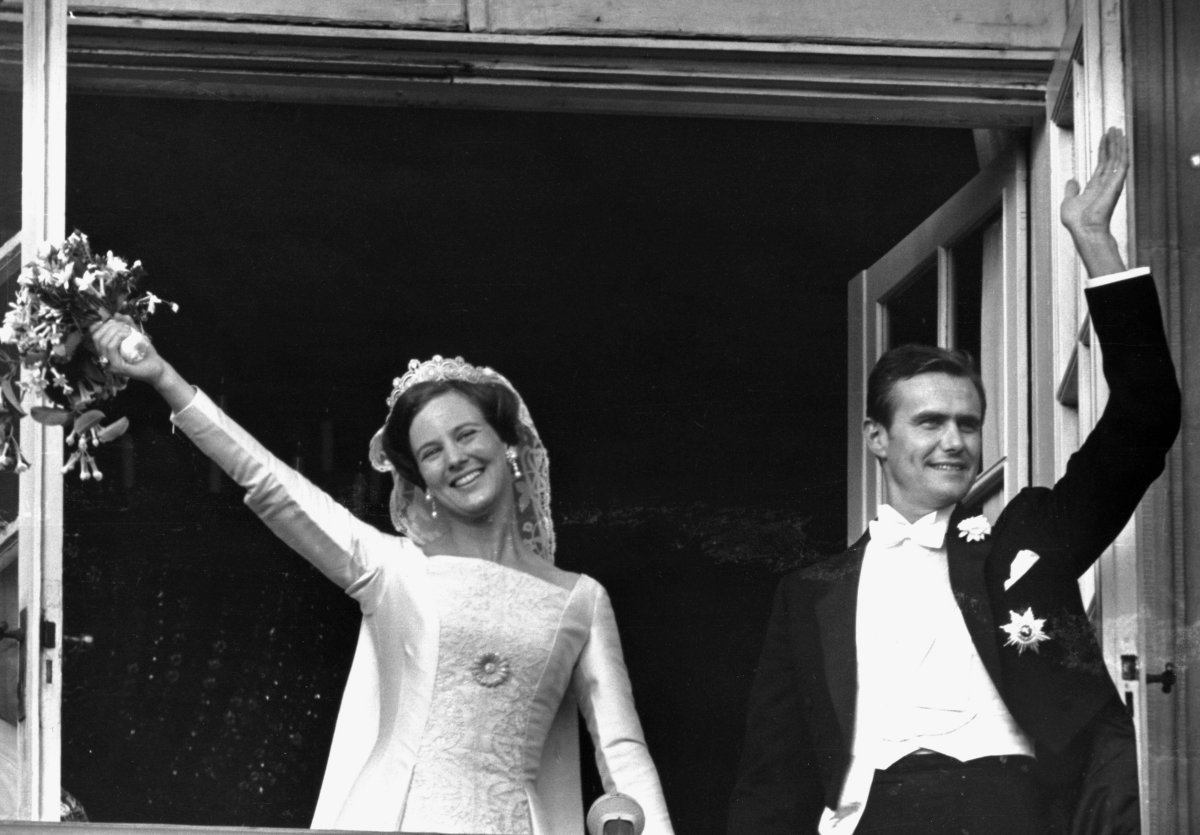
(1021, 563)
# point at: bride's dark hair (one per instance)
(496, 402)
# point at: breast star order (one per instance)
(1024, 631)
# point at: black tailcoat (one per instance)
(801, 717)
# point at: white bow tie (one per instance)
(890, 532)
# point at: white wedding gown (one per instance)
(459, 712)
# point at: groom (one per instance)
(942, 676)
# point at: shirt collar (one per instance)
(891, 528)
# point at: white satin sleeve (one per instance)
(601, 685)
(344, 548)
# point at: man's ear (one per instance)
(875, 435)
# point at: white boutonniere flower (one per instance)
(1024, 631)
(974, 529)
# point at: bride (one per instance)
(475, 654)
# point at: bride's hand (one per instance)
(108, 335)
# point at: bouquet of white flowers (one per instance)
(60, 295)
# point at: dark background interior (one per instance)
(668, 295)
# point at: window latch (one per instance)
(1130, 672)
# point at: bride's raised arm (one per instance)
(305, 517)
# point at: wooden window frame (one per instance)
(1000, 190)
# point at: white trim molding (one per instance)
(864, 84)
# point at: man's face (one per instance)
(930, 452)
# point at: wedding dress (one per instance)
(459, 714)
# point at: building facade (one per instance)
(1037, 82)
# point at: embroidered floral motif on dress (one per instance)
(490, 670)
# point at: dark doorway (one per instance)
(667, 294)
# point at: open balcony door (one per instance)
(31, 543)
(959, 280)
(1131, 590)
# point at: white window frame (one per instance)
(39, 547)
(999, 190)
(1086, 95)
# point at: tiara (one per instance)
(440, 368)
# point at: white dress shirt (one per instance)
(921, 682)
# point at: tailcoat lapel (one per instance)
(836, 610)
(966, 562)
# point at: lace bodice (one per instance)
(475, 761)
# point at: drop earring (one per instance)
(511, 454)
(432, 505)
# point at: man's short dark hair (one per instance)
(907, 361)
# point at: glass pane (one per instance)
(10, 128)
(978, 307)
(11, 45)
(912, 312)
(966, 259)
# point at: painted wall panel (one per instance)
(995, 24)
(980, 23)
(421, 14)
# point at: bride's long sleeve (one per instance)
(343, 547)
(601, 684)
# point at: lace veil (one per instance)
(410, 513)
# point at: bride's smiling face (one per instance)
(460, 456)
